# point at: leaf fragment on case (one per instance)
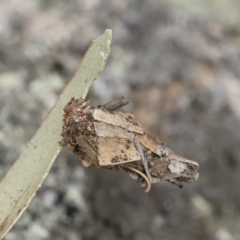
(121, 142)
(115, 151)
(116, 120)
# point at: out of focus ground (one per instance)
(178, 63)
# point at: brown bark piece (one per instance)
(129, 117)
(88, 148)
(103, 129)
(116, 151)
(181, 159)
(147, 143)
(116, 120)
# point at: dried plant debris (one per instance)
(100, 136)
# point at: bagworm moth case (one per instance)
(101, 137)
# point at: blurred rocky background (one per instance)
(178, 63)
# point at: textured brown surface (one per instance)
(120, 144)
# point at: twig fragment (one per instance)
(142, 175)
(144, 161)
(115, 104)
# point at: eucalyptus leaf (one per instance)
(29, 171)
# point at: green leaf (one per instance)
(29, 171)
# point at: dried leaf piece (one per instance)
(147, 143)
(108, 130)
(120, 141)
(116, 151)
(116, 120)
